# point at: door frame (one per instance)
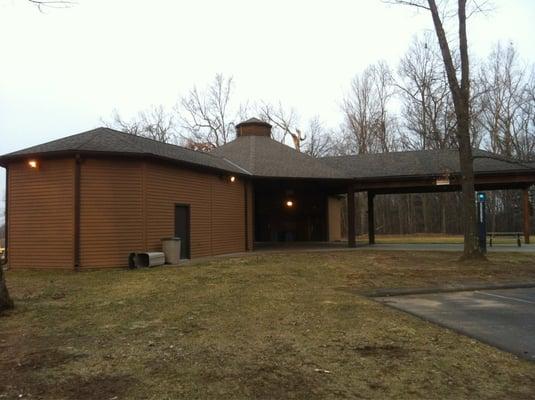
(188, 225)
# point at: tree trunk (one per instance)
(461, 101)
(5, 301)
(471, 248)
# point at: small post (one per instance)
(351, 217)
(482, 222)
(526, 214)
(371, 220)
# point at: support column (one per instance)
(351, 217)
(526, 214)
(371, 220)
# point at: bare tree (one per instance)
(505, 118)
(528, 109)
(207, 117)
(43, 4)
(319, 142)
(284, 121)
(506, 104)
(155, 123)
(427, 107)
(459, 85)
(367, 119)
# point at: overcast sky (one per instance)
(61, 71)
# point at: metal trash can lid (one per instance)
(171, 238)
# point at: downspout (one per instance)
(77, 174)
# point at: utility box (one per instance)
(149, 259)
(171, 249)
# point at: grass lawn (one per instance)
(262, 326)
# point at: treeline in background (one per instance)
(386, 108)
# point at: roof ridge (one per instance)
(91, 138)
(237, 165)
(124, 141)
(296, 152)
(51, 141)
(164, 143)
(310, 157)
(252, 152)
(394, 153)
(449, 149)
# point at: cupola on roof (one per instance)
(253, 127)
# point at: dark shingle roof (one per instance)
(265, 157)
(423, 163)
(108, 140)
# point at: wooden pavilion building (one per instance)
(88, 200)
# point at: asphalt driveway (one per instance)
(502, 318)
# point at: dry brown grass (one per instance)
(263, 326)
(432, 238)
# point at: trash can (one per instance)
(171, 249)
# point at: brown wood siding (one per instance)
(125, 205)
(228, 216)
(334, 218)
(254, 130)
(41, 214)
(111, 212)
(217, 220)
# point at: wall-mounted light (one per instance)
(33, 163)
(232, 179)
(289, 203)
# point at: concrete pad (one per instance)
(502, 318)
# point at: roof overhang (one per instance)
(6, 160)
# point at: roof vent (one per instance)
(253, 127)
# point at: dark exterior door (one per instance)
(182, 229)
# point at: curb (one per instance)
(446, 288)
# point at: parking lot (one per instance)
(502, 318)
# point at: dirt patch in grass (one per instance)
(95, 387)
(266, 326)
(46, 358)
(73, 387)
(268, 381)
(33, 375)
(381, 350)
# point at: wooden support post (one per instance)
(351, 217)
(371, 221)
(526, 214)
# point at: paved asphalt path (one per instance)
(361, 245)
(502, 318)
(499, 248)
